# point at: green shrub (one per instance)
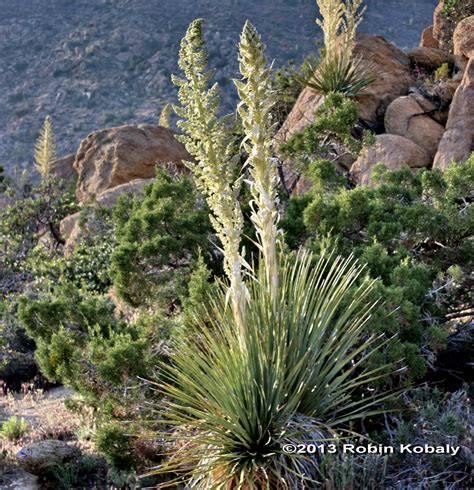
(77, 474)
(443, 72)
(412, 231)
(83, 344)
(14, 428)
(157, 238)
(333, 126)
(115, 444)
(35, 213)
(434, 418)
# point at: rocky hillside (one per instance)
(100, 63)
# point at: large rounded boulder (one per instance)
(115, 156)
(458, 139)
(392, 151)
(406, 117)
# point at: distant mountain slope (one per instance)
(96, 63)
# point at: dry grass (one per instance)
(47, 415)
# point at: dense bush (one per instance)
(158, 237)
(115, 444)
(332, 134)
(434, 418)
(32, 216)
(414, 232)
(82, 343)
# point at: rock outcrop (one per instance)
(40, 457)
(395, 152)
(443, 27)
(63, 168)
(429, 58)
(463, 38)
(427, 39)
(70, 228)
(115, 156)
(405, 117)
(391, 68)
(19, 480)
(458, 139)
(445, 19)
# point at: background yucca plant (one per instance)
(342, 74)
(45, 149)
(294, 382)
(339, 71)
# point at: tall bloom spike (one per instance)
(216, 166)
(45, 149)
(257, 100)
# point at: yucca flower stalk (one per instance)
(257, 100)
(339, 23)
(216, 166)
(45, 149)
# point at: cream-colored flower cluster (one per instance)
(340, 19)
(257, 100)
(45, 149)
(217, 161)
(216, 166)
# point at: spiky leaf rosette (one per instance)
(294, 382)
(45, 149)
(257, 100)
(216, 166)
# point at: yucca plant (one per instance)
(45, 149)
(285, 370)
(235, 409)
(339, 70)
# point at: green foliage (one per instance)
(342, 74)
(83, 344)
(410, 230)
(158, 236)
(199, 289)
(14, 428)
(443, 72)
(76, 473)
(86, 267)
(459, 9)
(115, 444)
(34, 214)
(330, 134)
(434, 418)
(293, 380)
(358, 472)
